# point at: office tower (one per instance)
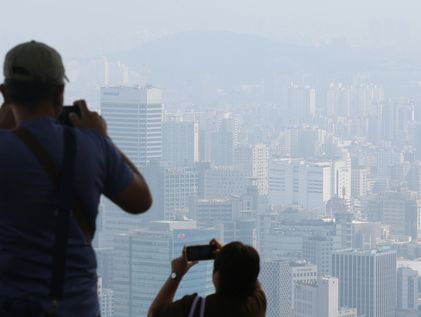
(180, 185)
(301, 103)
(353, 101)
(222, 182)
(416, 140)
(179, 141)
(301, 272)
(253, 160)
(359, 187)
(244, 230)
(260, 167)
(275, 279)
(318, 250)
(305, 142)
(343, 221)
(367, 281)
(134, 120)
(414, 177)
(104, 259)
(154, 173)
(243, 157)
(235, 217)
(407, 292)
(208, 212)
(294, 181)
(142, 264)
(365, 234)
(317, 299)
(339, 100)
(342, 177)
(401, 210)
(105, 297)
(223, 138)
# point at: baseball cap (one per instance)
(34, 61)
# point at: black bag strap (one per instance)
(63, 213)
(54, 173)
(63, 183)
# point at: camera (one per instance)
(64, 119)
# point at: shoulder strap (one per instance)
(193, 305)
(50, 167)
(62, 216)
(202, 307)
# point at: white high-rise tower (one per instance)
(367, 281)
(134, 120)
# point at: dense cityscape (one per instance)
(294, 128)
(327, 191)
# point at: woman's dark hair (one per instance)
(238, 266)
(27, 93)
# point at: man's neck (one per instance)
(28, 112)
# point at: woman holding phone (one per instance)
(237, 289)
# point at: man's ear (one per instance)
(3, 91)
(59, 98)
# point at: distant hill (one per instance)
(231, 58)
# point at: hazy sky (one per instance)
(92, 27)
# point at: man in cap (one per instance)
(32, 144)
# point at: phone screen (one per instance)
(200, 252)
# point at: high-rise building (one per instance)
(142, 263)
(275, 279)
(359, 186)
(401, 210)
(301, 272)
(179, 186)
(105, 297)
(407, 292)
(253, 160)
(318, 250)
(317, 299)
(367, 281)
(105, 266)
(260, 167)
(180, 141)
(208, 212)
(301, 102)
(222, 182)
(224, 137)
(134, 121)
(294, 181)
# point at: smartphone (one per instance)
(200, 252)
(63, 118)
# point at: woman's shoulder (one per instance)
(179, 308)
(220, 305)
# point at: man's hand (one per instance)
(7, 117)
(180, 265)
(88, 119)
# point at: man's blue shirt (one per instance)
(27, 202)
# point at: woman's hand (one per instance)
(217, 245)
(181, 265)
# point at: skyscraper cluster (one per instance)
(329, 196)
